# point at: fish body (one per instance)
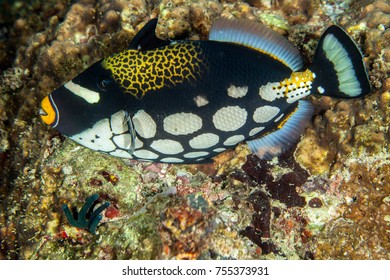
(187, 101)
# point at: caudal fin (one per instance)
(338, 66)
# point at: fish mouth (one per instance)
(43, 113)
(48, 111)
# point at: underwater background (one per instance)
(327, 198)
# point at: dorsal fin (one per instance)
(146, 38)
(258, 36)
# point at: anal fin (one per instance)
(280, 140)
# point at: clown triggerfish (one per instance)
(182, 101)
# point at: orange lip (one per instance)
(48, 112)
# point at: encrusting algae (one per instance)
(326, 198)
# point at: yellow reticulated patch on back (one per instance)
(138, 72)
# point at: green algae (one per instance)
(275, 20)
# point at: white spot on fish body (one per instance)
(201, 101)
(97, 138)
(145, 154)
(230, 118)
(270, 92)
(196, 154)
(118, 123)
(88, 95)
(182, 123)
(123, 141)
(171, 160)
(120, 153)
(167, 146)
(144, 124)
(255, 130)
(278, 118)
(233, 140)
(237, 92)
(265, 114)
(204, 141)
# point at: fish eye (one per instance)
(105, 83)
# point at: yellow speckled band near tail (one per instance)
(297, 80)
(139, 72)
